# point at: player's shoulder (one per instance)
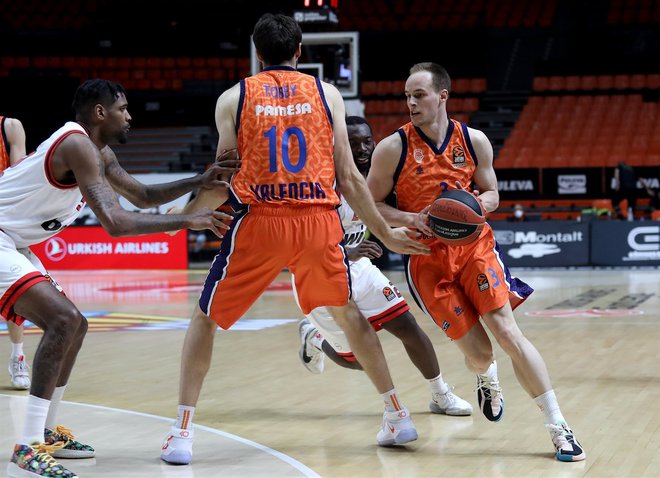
(391, 144)
(476, 135)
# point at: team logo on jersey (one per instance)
(396, 291)
(459, 156)
(418, 154)
(55, 249)
(419, 170)
(389, 294)
(458, 311)
(482, 282)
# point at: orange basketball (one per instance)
(456, 217)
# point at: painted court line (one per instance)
(306, 471)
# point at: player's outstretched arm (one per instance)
(80, 156)
(151, 195)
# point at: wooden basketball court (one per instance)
(262, 414)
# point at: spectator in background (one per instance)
(518, 214)
(654, 195)
(625, 187)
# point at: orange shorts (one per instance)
(455, 285)
(261, 243)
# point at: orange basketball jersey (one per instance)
(4, 146)
(425, 171)
(285, 141)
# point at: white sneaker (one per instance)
(311, 356)
(19, 372)
(177, 447)
(397, 428)
(450, 404)
(567, 447)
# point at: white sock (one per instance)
(51, 419)
(184, 418)
(547, 403)
(491, 373)
(35, 420)
(438, 385)
(391, 401)
(16, 349)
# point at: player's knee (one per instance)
(67, 322)
(480, 360)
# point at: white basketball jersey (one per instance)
(354, 228)
(33, 205)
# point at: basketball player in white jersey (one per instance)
(377, 299)
(40, 196)
(12, 150)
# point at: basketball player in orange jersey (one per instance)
(290, 132)
(458, 285)
(377, 299)
(12, 150)
(39, 196)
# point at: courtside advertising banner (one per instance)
(92, 248)
(623, 243)
(544, 244)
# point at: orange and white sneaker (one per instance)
(177, 447)
(397, 428)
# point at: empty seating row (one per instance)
(397, 87)
(456, 105)
(596, 82)
(141, 72)
(593, 131)
(410, 15)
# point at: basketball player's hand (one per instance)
(422, 223)
(220, 172)
(215, 221)
(475, 193)
(401, 240)
(366, 248)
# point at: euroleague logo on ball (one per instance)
(55, 249)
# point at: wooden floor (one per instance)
(263, 415)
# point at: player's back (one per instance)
(33, 204)
(285, 141)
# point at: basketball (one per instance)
(456, 217)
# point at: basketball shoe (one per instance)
(19, 372)
(397, 428)
(70, 447)
(177, 447)
(566, 446)
(489, 397)
(311, 356)
(449, 404)
(35, 460)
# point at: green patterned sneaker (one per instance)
(71, 448)
(32, 461)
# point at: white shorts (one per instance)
(376, 298)
(20, 269)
